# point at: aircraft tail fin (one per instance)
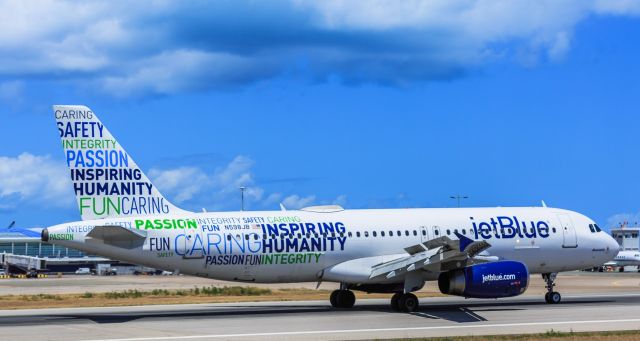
(106, 180)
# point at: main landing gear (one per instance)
(342, 298)
(551, 297)
(404, 302)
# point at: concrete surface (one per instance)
(316, 320)
(591, 301)
(571, 282)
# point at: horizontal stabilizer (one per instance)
(115, 233)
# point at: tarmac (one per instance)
(591, 302)
(316, 320)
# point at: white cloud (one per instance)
(32, 178)
(220, 190)
(220, 187)
(165, 47)
(184, 182)
(341, 200)
(631, 219)
(295, 201)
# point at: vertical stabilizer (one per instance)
(106, 180)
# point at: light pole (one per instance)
(242, 198)
(458, 197)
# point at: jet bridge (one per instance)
(23, 264)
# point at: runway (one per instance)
(316, 320)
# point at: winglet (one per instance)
(544, 204)
(464, 241)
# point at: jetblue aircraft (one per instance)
(470, 252)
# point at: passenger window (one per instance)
(406, 233)
(228, 237)
(366, 233)
(554, 230)
(382, 233)
(424, 233)
(349, 234)
(390, 233)
(464, 231)
(437, 232)
(358, 234)
(375, 234)
(455, 231)
(448, 232)
(399, 233)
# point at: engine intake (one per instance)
(488, 280)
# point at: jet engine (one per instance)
(487, 280)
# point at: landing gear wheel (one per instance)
(395, 304)
(554, 297)
(551, 297)
(342, 299)
(334, 298)
(408, 303)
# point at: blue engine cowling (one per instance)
(487, 280)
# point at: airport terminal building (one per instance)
(22, 250)
(28, 243)
(627, 237)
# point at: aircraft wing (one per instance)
(436, 255)
(114, 234)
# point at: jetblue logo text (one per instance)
(509, 227)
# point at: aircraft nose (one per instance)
(611, 245)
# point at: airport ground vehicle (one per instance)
(83, 271)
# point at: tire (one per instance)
(408, 303)
(347, 299)
(555, 297)
(333, 299)
(395, 304)
(546, 297)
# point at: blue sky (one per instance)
(367, 104)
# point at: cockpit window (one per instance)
(597, 227)
(593, 229)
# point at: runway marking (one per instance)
(344, 331)
(472, 314)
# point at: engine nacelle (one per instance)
(487, 280)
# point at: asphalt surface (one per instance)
(316, 320)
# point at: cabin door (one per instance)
(568, 231)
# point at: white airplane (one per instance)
(625, 258)
(470, 252)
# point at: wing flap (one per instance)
(436, 255)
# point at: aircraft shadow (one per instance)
(460, 313)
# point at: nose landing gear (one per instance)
(551, 297)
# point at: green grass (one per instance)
(204, 291)
(550, 334)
